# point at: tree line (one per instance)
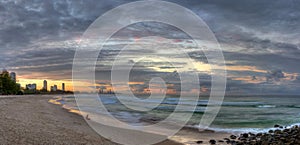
(7, 85)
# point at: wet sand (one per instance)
(190, 136)
(32, 120)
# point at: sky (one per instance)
(259, 39)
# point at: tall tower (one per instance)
(45, 85)
(63, 87)
(13, 76)
(55, 88)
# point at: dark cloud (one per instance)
(265, 61)
(34, 36)
(275, 75)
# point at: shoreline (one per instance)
(186, 136)
(192, 136)
(33, 120)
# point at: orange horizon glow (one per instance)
(40, 83)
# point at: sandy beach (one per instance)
(33, 120)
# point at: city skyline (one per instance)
(39, 84)
(48, 88)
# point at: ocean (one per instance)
(238, 113)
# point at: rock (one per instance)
(243, 139)
(287, 136)
(199, 142)
(220, 140)
(233, 137)
(277, 131)
(282, 138)
(259, 134)
(232, 142)
(252, 138)
(286, 130)
(276, 125)
(251, 134)
(245, 135)
(212, 141)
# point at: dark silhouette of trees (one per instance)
(7, 85)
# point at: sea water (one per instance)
(237, 114)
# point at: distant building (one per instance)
(54, 88)
(63, 87)
(28, 86)
(13, 76)
(31, 87)
(101, 90)
(45, 87)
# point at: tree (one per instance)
(7, 85)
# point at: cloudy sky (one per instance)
(259, 39)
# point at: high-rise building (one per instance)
(63, 87)
(54, 88)
(13, 76)
(31, 86)
(28, 86)
(45, 87)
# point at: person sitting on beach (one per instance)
(87, 117)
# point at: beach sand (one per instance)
(32, 120)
